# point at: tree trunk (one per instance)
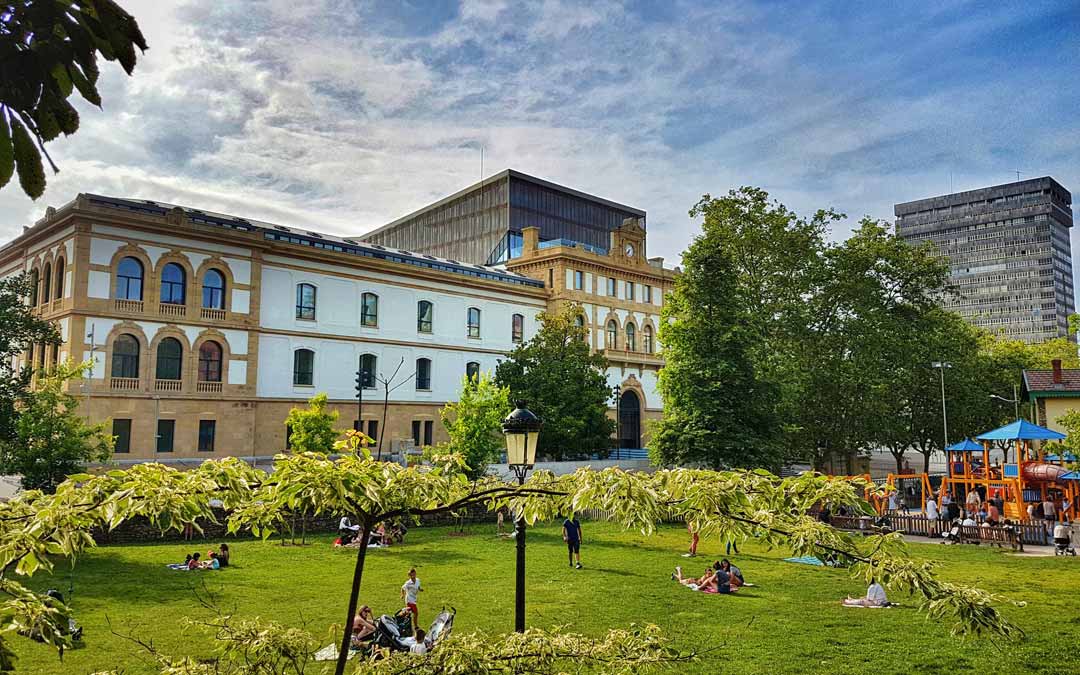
(354, 594)
(926, 461)
(899, 458)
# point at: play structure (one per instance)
(1029, 478)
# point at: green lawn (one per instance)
(790, 623)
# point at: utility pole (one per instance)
(941, 366)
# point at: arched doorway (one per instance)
(629, 420)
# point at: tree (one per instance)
(51, 441)
(48, 50)
(474, 423)
(564, 383)
(312, 430)
(19, 331)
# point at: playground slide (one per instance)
(1042, 473)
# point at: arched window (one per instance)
(213, 290)
(59, 285)
(303, 371)
(423, 374)
(125, 356)
(129, 279)
(612, 334)
(472, 370)
(46, 284)
(305, 302)
(170, 357)
(33, 288)
(369, 310)
(173, 283)
(368, 364)
(517, 330)
(425, 312)
(631, 338)
(473, 323)
(210, 362)
(646, 339)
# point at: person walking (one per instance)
(693, 541)
(571, 534)
(409, 589)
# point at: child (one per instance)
(409, 589)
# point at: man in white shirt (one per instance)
(875, 597)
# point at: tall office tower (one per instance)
(1009, 253)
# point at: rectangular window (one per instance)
(611, 287)
(473, 323)
(166, 430)
(517, 328)
(373, 429)
(551, 278)
(429, 430)
(648, 294)
(579, 280)
(121, 429)
(629, 290)
(416, 432)
(369, 310)
(207, 430)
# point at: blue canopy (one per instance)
(1021, 430)
(966, 445)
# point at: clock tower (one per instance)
(628, 242)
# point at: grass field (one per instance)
(790, 623)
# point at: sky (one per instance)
(341, 116)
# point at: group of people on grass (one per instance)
(380, 536)
(214, 559)
(721, 577)
(363, 628)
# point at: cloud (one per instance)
(342, 117)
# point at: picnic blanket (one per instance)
(330, 652)
(806, 560)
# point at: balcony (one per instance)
(208, 387)
(211, 314)
(57, 304)
(171, 310)
(635, 357)
(168, 385)
(135, 306)
(124, 383)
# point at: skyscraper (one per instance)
(1009, 254)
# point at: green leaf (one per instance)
(88, 90)
(7, 153)
(27, 161)
(63, 80)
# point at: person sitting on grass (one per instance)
(363, 625)
(735, 573)
(419, 646)
(194, 563)
(223, 555)
(696, 584)
(875, 597)
(212, 563)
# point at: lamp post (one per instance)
(522, 430)
(361, 382)
(1015, 400)
(617, 391)
(941, 366)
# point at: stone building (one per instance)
(205, 329)
(1009, 253)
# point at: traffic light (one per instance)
(359, 382)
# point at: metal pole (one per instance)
(944, 411)
(1016, 399)
(519, 534)
(360, 395)
(618, 426)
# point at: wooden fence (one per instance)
(917, 524)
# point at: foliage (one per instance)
(312, 430)
(474, 422)
(51, 440)
(48, 50)
(1070, 422)
(564, 383)
(19, 331)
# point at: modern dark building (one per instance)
(1009, 252)
(482, 224)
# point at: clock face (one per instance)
(629, 250)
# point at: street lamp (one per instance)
(1015, 400)
(522, 430)
(941, 366)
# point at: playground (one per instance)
(789, 622)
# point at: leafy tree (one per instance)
(565, 384)
(48, 50)
(19, 330)
(474, 423)
(51, 441)
(312, 429)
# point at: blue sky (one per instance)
(342, 116)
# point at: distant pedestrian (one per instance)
(693, 540)
(732, 544)
(571, 534)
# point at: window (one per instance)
(213, 290)
(646, 339)
(429, 431)
(54, 355)
(125, 356)
(629, 290)
(210, 362)
(170, 356)
(416, 427)
(305, 302)
(373, 429)
(173, 285)
(551, 278)
(612, 334)
(121, 429)
(473, 323)
(129, 279)
(611, 286)
(424, 316)
(369, 310)
(33, 288)
(207, 430)
(423, 374)
(472, 370)
(60, 272)
(166, 430)
(368, 366)
(41, 356)
(648, 294)
(579, 280)
(303, 373)
(46, 283)
(631, 338)
(517, 329)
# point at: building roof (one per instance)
(1021, 430)
(958, 198)
(1042, 381)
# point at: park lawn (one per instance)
(790, 623)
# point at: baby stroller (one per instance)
(394, 633)
(1063, 541)
(953, 535)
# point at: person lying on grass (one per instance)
(875, 597)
